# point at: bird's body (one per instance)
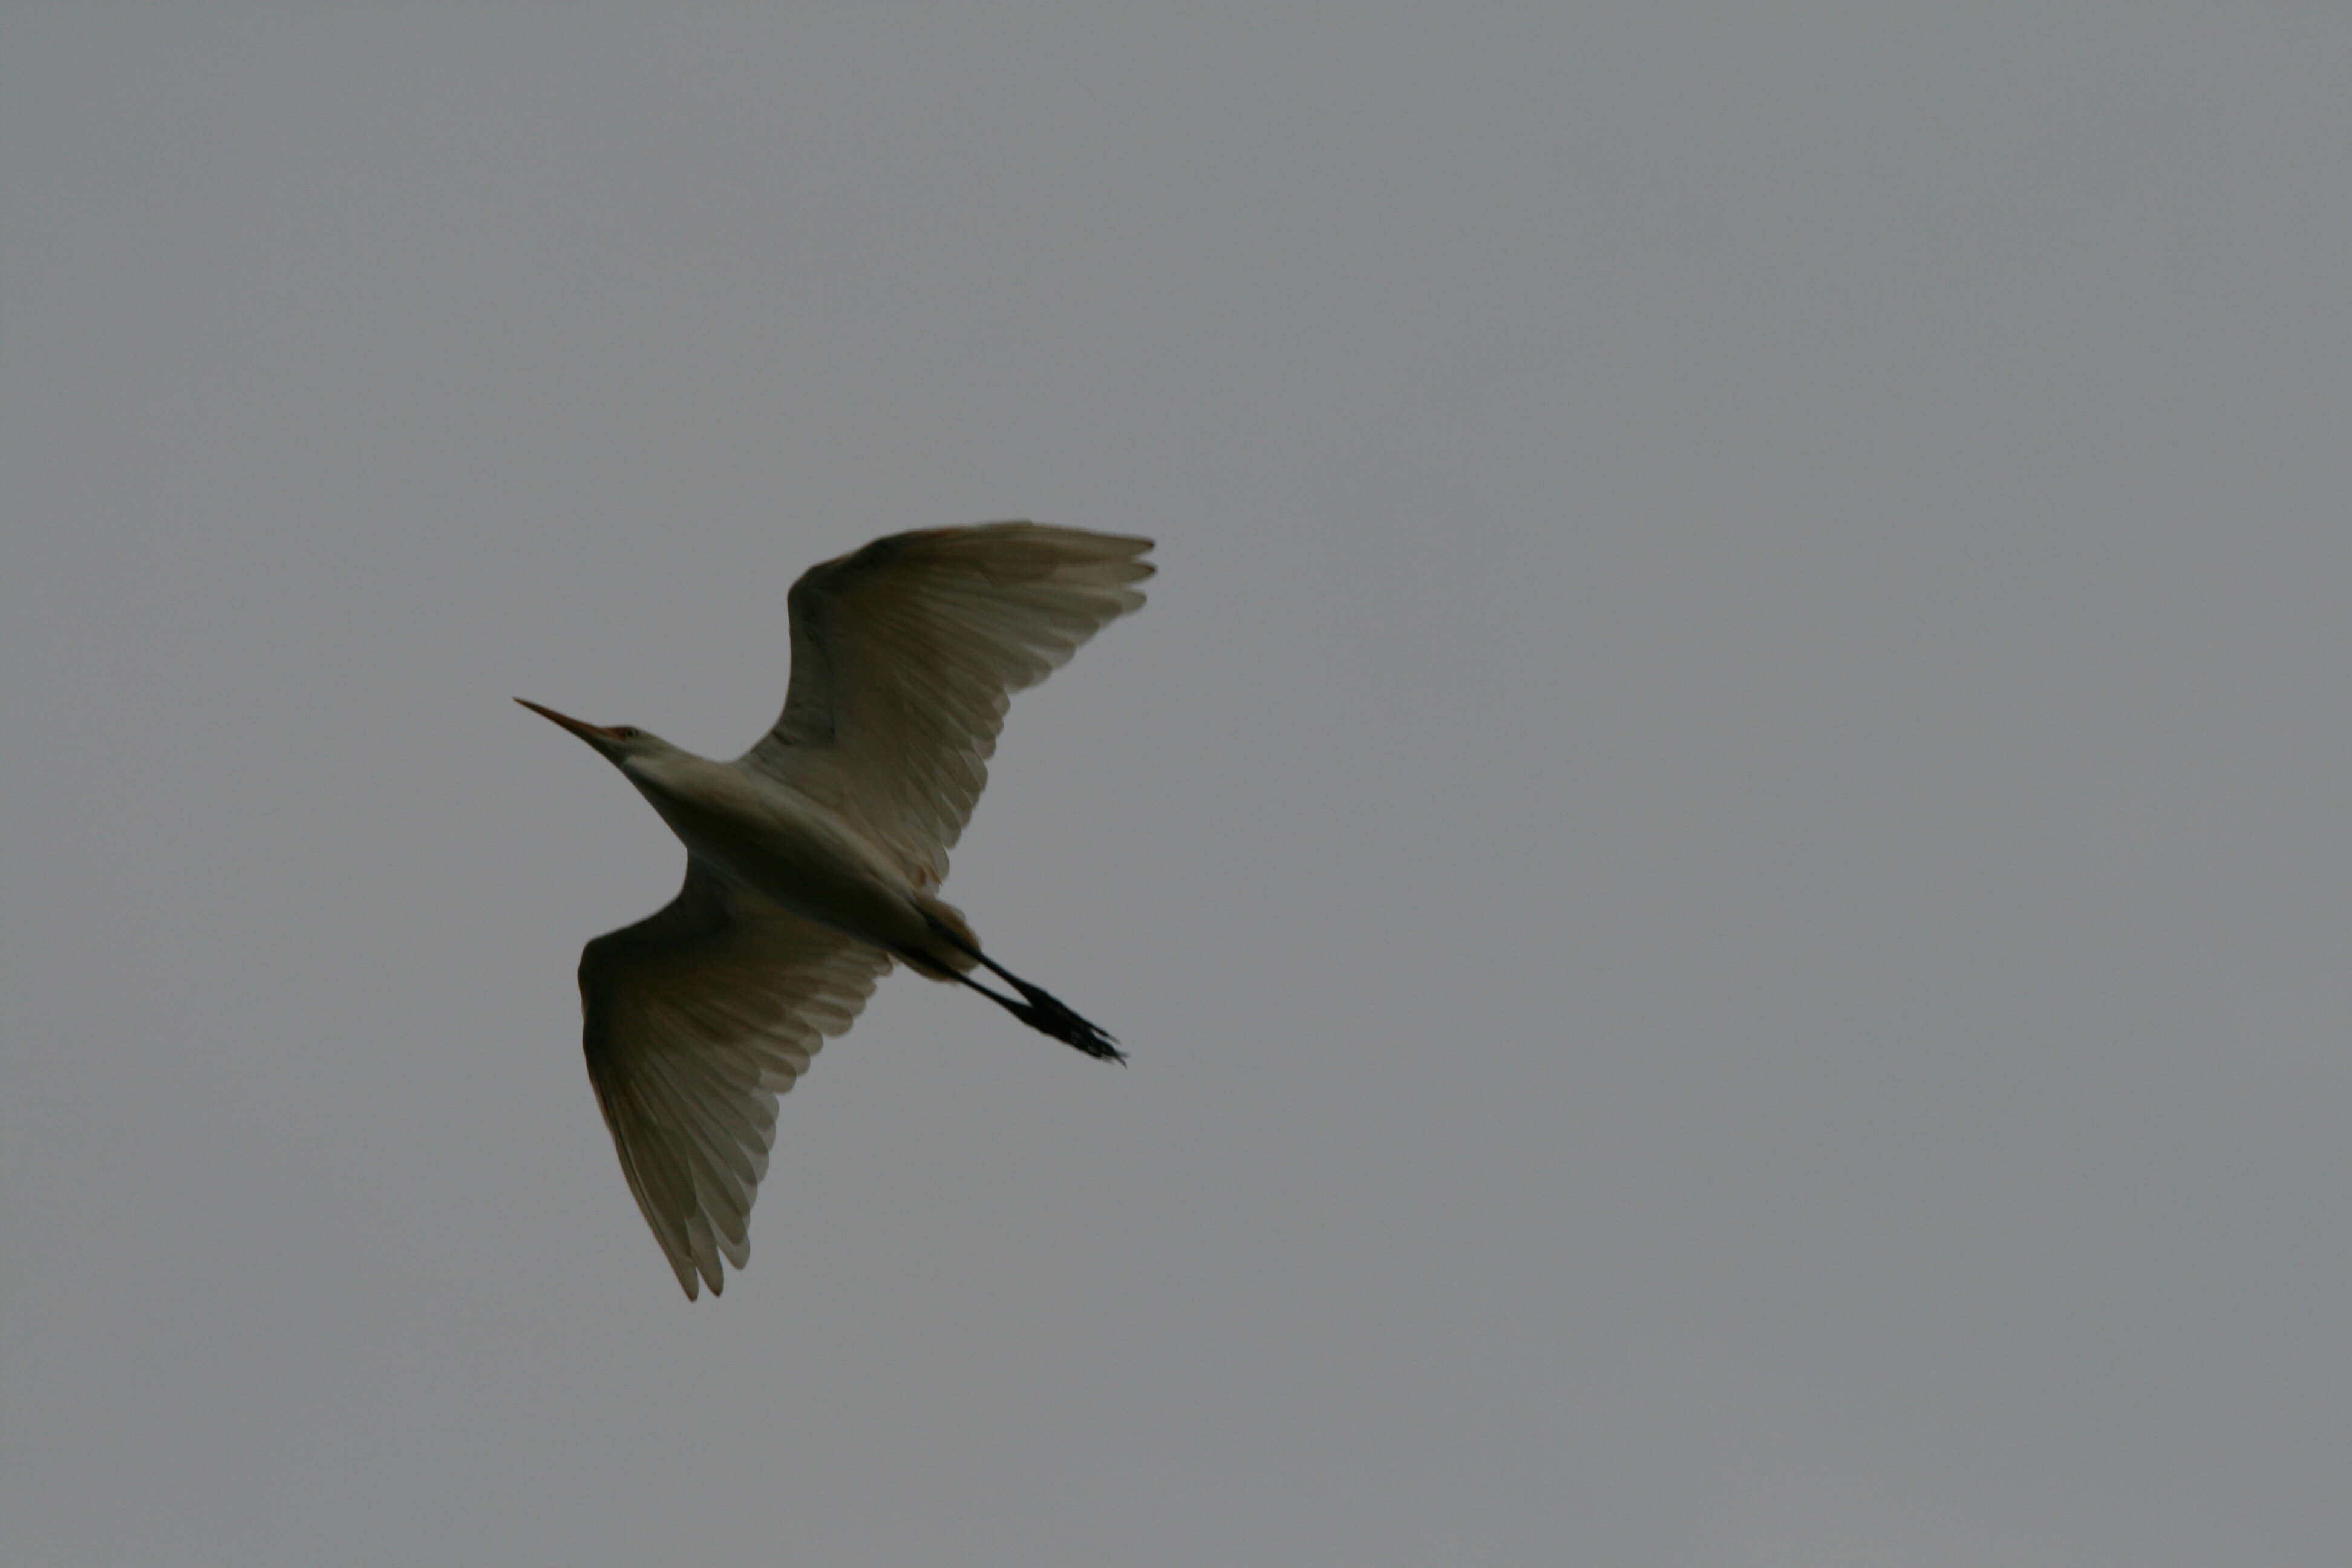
(764, 836)
(812, 859)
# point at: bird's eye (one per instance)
(625, 731)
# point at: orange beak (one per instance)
(586, 732)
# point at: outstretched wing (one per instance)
(698, 1017)
(905, 653)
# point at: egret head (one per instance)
(617, 741)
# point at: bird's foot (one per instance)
(1047, 1015)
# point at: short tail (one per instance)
(952, 950)
(1036, 1007)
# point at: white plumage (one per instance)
(812, 859)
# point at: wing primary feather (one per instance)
(696, 1019)
(905, 655)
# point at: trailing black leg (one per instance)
(1036, 1007)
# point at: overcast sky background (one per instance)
(1722, 848)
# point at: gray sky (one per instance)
(1721, 849)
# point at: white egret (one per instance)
(813, 859)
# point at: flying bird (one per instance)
(814, 860)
